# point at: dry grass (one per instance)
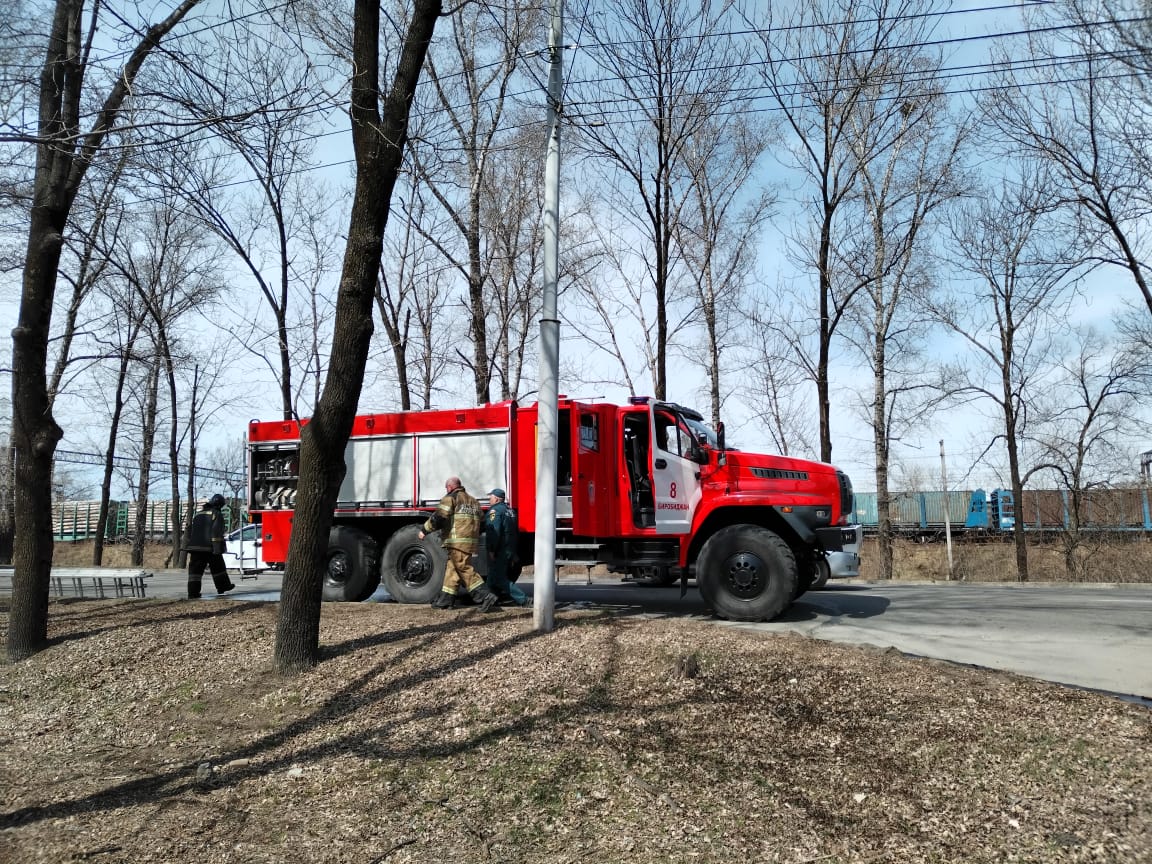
(1105, 559)
(79, 554)
(155, 731)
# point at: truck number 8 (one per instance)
(673, 490)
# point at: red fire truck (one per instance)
(646, 488)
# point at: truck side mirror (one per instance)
(720, 437)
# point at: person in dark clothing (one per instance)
(501, 536)
(205, 548)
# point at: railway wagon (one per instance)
(1112, 509)
(922, 514)
(915, 513)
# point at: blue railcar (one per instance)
(915, 513)
(923, 514)
(994, 512)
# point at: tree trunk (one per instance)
(110, 457)
(379, 146)
(147, 447)
(174, 453)
(62, 160)
(1017, 496)
(35, 432)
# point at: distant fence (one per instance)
(79, 520)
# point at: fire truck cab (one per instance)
(646, 489)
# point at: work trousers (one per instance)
(459, 571)
(197, 563)
(499, 583)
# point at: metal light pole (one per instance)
(544, 563)
(947, 510)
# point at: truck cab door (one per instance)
(675, 475)
(592, 465)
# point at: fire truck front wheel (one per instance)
(746, 573)
(351, 573)
(413, 569)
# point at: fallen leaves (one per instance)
(426, 736)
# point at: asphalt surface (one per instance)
(1097, 637)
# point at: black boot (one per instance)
(443, 600)
(484, 598)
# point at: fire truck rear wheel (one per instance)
(352, 572)
(746, 573)
(413, 569)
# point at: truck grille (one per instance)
(778, 474)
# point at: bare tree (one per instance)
(657, 77)
(909, 151)
(64, 154)
(410, 298)
(455, 147)
(825, 64)
(512, 207)
(378, 139)
(123, 336)
(774, 390)
(1083, 426)
(258, 103)
(169, 264)
(1081, 123)
(1020, 260)
(718, 231)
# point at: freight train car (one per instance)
(923, 514)
(916, 514)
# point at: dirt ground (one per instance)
(156, 731)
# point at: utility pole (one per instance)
(544, 562)
(947, 510)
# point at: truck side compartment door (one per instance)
(594, 498)
(675, 476)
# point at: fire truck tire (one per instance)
(746, 573)
(413, 569)
(352, 573)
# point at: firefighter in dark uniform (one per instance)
(457, 518)
(206, 547)
(501, 536)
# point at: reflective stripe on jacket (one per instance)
(457, 517)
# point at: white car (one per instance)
(844, 564)
(244, 552)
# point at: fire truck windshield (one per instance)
(703, 432)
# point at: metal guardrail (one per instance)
(95, 582)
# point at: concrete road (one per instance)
(1093, 636)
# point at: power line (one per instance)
(162, 469)
(597, 108)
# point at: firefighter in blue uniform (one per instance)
(502, 537)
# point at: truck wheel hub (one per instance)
(745, 573)
(338, 568)
(416, 569)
